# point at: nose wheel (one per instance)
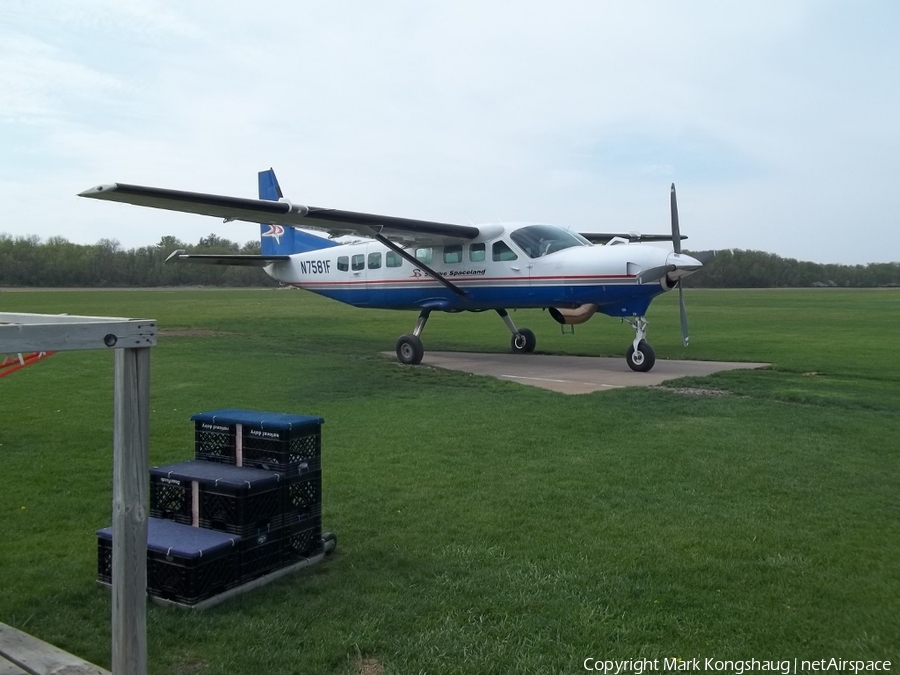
(640, 356)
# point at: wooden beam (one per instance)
(22, 653)
(131, 503)
(56, 333)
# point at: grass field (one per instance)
(484, 526)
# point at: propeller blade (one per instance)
(684, 324)
(676, 231)
(705, 257)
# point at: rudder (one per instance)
(283, 239)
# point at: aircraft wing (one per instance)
(634, 237)
(336, 222)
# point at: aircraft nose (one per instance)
(683, 265)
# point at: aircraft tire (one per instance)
(524, 342)
(410, 350)
(642, 360)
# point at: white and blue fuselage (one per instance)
(501, 268)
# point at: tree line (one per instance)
(57, 262)
(736, 268)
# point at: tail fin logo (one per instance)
(274, 231)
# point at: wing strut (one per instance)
(418, 263)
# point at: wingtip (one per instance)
(98, 190)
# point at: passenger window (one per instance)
(476, 253)
(425, 255)
(343, 263)
(359, 262)
(375, 261)
(393, 259)
(502, 252)
(453, 254)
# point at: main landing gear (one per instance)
(410, 350)
(640, 356)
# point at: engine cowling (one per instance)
(565, 315)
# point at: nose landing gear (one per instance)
(640, 356)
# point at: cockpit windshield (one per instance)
(540, 240)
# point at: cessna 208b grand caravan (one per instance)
(400, 263)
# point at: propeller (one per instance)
(676, 245)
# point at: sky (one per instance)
(778, 120)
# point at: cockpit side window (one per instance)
(501, 251)
(540, 240)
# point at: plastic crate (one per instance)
(302, 497)
(238, 500)
(301, 540)
(260, 554)
(291, 456)
(184, 564)
(281, 442)
(214, 442)
(104, 557)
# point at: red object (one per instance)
(13, 363)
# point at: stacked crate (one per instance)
(250, 503)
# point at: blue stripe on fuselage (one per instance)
(612, 299)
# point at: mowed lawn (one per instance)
(484, 526)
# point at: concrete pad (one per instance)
(575, 374)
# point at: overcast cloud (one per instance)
(778, 120)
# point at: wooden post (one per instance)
(131, 463)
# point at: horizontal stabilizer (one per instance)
(219, 259)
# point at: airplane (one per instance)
(387, 262)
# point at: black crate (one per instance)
(214, 442)
(170, 499)
(104, 557)
(239, 500)
(302, 497)
(184, 564)
(260, 554)
(275, 451)
(280, 442)
(301, 540)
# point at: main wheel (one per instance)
(524, 342)
(410, 350)
(641, 360)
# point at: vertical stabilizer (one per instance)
(283, 239)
